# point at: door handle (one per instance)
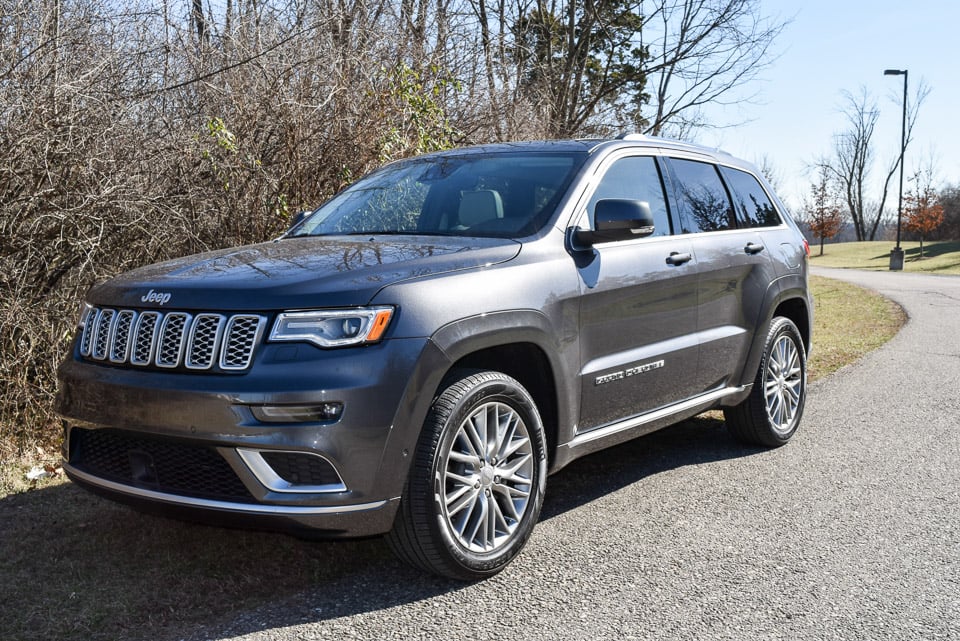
(676, 258)
(753, 248)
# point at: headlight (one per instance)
(333, 327)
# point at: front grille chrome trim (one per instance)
(202, 347)
(102, 331)
(121, 335)
(241, 336)
(170, 340)
(88, 322)
(145, 338)
(173, 334)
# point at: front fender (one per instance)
(463, 342)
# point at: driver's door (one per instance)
(638, 315)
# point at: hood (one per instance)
(332, 271)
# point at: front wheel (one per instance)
(771, 414)
(477, 482)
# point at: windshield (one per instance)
(496, 195)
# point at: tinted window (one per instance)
(750, 201)
(635, 178)
(704, 204)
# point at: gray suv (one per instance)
(415, 357)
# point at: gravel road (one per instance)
(852, 531)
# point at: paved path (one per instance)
(852, 531)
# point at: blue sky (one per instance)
(842, 45)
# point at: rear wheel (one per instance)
(771, 414)
(477, 483)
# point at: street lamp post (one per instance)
(896, 255)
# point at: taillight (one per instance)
(806, 247)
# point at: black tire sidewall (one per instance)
(481, 388)
(781, 327)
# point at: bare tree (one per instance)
(700, 51)
(854, 157)
(949, 197)
(643, 65)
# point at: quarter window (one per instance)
(750, 201)
(635, 178)
(704, 204)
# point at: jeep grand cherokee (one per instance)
(415, 357)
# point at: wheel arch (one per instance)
(529, 365)
(523, 345)
(797, 310)
(791, 302)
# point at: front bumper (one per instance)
(165, 440)
(359, 519)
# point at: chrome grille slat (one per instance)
(88, 323)
(145, 337)
(172, 335)
(170, 339)
(205, 337)
(101, 335)
(120, 341)
(242, 334)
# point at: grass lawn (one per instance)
(848, 322)
(75, 566)
(941, 257)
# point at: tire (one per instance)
(771, 414)
(473, 494)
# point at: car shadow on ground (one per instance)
(694, 442)
(80, 566)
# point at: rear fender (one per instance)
(780, 291)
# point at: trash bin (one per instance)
(896, 259)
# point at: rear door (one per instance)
(722, 211)
(638, 305)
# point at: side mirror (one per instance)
(617, 219)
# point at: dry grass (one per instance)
(939, 257)
(849, 321)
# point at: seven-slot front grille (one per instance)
(170, 339)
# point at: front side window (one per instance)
(635, 178)
(752, 205)
(503, 195)
(704, 204)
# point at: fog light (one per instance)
(321, 413)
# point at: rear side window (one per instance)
(635, 178)
(750, 201)
(704, 204)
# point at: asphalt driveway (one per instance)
(852, 531)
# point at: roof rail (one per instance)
(674, 143)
